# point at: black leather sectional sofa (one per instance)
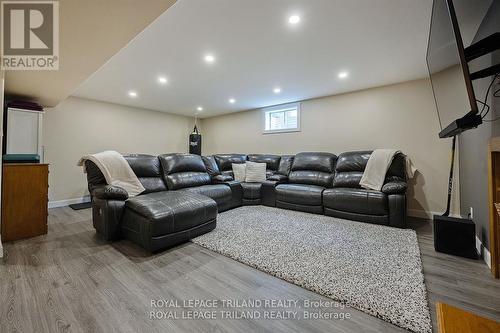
(183, 193)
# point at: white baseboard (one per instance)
(420, 213)
(487, 257)
(479, 246)
(67, 202)
(424, 214)
(483, 252)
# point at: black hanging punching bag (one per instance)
(195, 142)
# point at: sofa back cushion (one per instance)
(351, 166)
(211, 165)
(183, 170)
(313, 169)
(225, 161)
(285, 165)
(272, 161)
(147, 169)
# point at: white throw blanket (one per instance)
(116, 171)
(379, 162)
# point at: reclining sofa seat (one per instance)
(348, 200)
(187, 172)
(311, 173)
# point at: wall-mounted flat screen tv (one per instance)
(449, 72)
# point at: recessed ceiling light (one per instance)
(132, 93)
(162, 80)
(232, 100)
(277, 90)
(294, 19)
(199, 108)
(343, 75)
(209, 58)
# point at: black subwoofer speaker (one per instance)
(455, 236)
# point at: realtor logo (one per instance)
(30, 35)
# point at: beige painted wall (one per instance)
(401, 116)
(79, 126)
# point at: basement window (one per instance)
(282, 118)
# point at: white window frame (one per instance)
(277, 108)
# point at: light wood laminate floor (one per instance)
(71, 281)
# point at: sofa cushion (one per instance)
(251, 190)
(277, 177)
(272, 161)
(355, 200)
(169, 211)
(351, 166)
(239, 171)
(211, 165)
(285, 165)
(317, 178)
(222, 178)
(221, 193)
(313, 169)
(184, 170)
(352, 161)
(300, 194)
(147, 168)
(225, 161)
(228, 173)
(255, 172)
(323, 162)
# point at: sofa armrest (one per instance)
(397, 210)
(221, 179)
(277, 177)
(110, 192)
(268, 192)
(237, 192)
(394, 187)
(107, 216)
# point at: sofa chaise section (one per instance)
(157, 218)
(165, 219)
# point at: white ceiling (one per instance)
(378, 42)
(87, 39)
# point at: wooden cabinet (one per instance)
(24, 200)
(494, 200)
